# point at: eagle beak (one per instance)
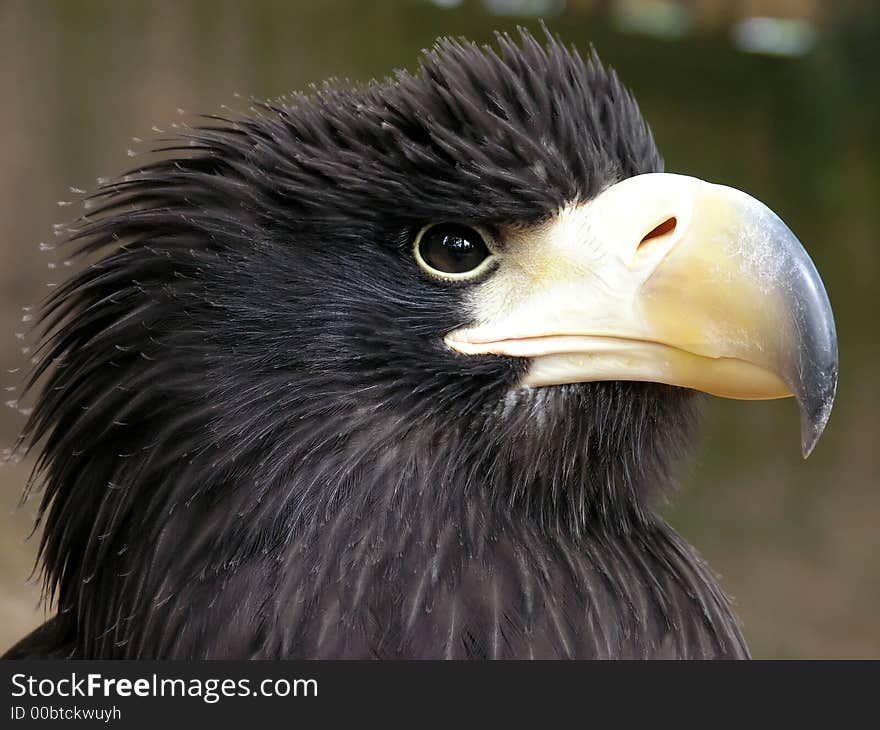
(668, 279)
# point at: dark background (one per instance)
(796, 125)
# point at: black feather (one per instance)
(253, 443)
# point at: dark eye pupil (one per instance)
(452, 248)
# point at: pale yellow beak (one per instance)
(668, 279)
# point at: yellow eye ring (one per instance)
(453, 251)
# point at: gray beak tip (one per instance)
(815, 411)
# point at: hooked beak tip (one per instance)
(815, 412)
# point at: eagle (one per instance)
(404, 370)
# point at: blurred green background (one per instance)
(777, 97)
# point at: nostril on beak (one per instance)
(666, 228)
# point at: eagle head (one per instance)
(433, 340)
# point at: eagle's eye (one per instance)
(452, 250)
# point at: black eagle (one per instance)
(400, 371)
